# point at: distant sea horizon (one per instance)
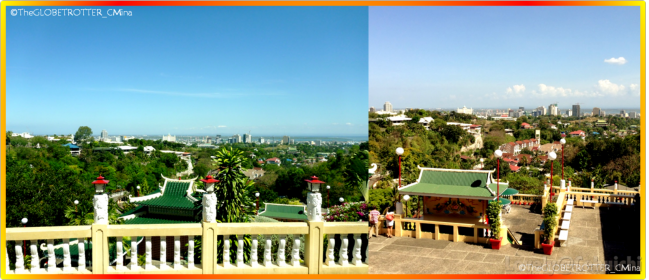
(254, 138)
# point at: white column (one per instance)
(281, 250)
(148, 264)
(268, 254)
(563, 184)
(226, 251)
(33, 248)
(163, 252)
(190, 252)
(592, 185)
(82, 253)
(67, 261)
(254, 262)
(240, 250)
(209, 208)
(133, 252)
(177, 264)
(295, 251)
(100, 204)
(20, 263)
(357, 260)
(314, 206)
(331, 259)
(119, 246)
(51, 258)
(344, 258)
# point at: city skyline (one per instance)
(213, 70)
(504, 56)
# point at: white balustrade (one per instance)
(367, 250)
(20, 263)
(33, 247)
(226, 251)
(344, 243)
(281, 251)
(119, 246)
(51, 258)
(7, 261)
(81, 245)
(148, 254)
(295, 251)
(357, 260)
(330, 250)
(268, 255)
(163, 252)
(240, 262)
(67, 261)
(177, 264)
(133, 252)
(190, 252)
(254, 262)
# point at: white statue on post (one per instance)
(209, 200)
(100, 201)
(314, 200)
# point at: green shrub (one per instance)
(493, 212)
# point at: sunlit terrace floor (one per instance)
(596, 238)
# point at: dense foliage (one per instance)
(348, 212)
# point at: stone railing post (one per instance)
(615, 190)
(592, 185)
(314, 206)
(397, 225)
(99, 229)
(313, 246)
(208, 247)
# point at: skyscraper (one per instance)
(553, 110)
(387, 106)
(247, 138)
(104, 134)
(237, 138)
(372, 110)
(597, 111)
(287, 139)
(576, 110)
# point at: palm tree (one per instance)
(231, 191)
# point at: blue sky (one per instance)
(500, 57)
(191, 70)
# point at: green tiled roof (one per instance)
(151, 219)
(175, 196)
(134, 210)
(453, 183)
(284, 211)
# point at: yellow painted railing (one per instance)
(282, 260)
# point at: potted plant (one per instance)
(550, 224)
(493, 213)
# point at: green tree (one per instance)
(83, 134)
(236, 206)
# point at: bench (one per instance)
(565, 225)
(583, 203)
(567, 216)
(563, 237)
(568, 209)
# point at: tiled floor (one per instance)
(588, 249)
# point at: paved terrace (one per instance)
(589, 243)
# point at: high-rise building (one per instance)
(387, 106)
(633, 115)
(521, 108)
(261, 140)
(569, 113)
(104, 134)
(247, 138)
(237, 138)
(576, 110)
(372, 110)
(623, 113)
(292, 141)
(597, 111)
(287, 139)
(542, 110)
(553, 110)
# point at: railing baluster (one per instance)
(51, 258)
(20, 262)
(268, 254)
(133, 252)
(281, 250)
(33, 248)
(177, 264)
(67, 261)
(367, 252)
(254, 262)
(119, 246)
(240, 250)
(295, 250)
(226, 251)
(357, 249)
(163, 252)
(344, 243)
(7, 262)
(148, 254)
(81, 246)
(190, 251)
(330, 250)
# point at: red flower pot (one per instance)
(547, 248)
(495, 243)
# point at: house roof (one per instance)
(273, 159)
(514, 168)
(453, 183)
(174, 196)
(157, 219)
(578, 132)
(72, 146)
(284, 211)
(524, 124)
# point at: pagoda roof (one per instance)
(284, 211)
(472, 184)
(157, 219)
(175, 195)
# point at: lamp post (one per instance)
(100, 201)
(551, 156)
(209, 200)
(138, 190)
(563, 142)
(406, 198)
(498, 154)
(341, 200)
(76, 202)
(481, 163)
(328, 201)
(257, 196)
(24, 222)
(314, 199)
(399, 153)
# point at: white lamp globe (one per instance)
(328, 187)
(481, 160)
(562, 141)
(406, 197)
(24, 221)
(498, 153)
(399, 151)
(76, 202)
(552, 156)
(256, 194)
(138, 187)
(341, 199)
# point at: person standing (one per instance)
(389, 220)
(374, 222)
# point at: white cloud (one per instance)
(349, 124)
(619, 61)
(633, 86)
(221, 126)
(519, 88)
(612, 89)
